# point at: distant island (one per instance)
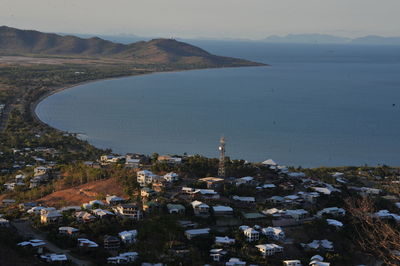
(157, 52)
(331, 39)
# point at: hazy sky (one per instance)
(205, 18)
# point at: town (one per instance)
(181, 210)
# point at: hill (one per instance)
(84, 193)
(158, 51)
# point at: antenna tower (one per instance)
(221, 166)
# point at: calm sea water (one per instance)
(316, 105)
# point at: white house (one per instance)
(54, 258)
(171, 177)
(114, 200)
(128, 237)
(50, 217)
(275, 233)
(292, 263)
(68, 230)
(269, 249)
(224, 240)
(86, 243)
(335, 211)
(132, 211)
(146, 177)
(200, 208)
(217, 254)
(123, 258)
(235, 262)
(324, 244)
(297, 214)
(251, 234)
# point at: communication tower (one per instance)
(221, 166)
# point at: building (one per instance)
(68, 231)
(275, 233)
(85, 243)
(133, 211)
(269, 249)
(190, 234)
(251, 234)
(128, 237)
(212, 182)
(219, 240)
(146, 177)
(292, 263)
(83, 216)
(50, 217)
(111, 242)
(114, 200)
(244, 199)
(297, 214)
(171, 177)
(40, 170)
(4, 222)
(217, 254)
(54, 258)
(334, 211)
(200, 208)
(222, 210)
(176, 208)
(169, 159)
(123, 258)
(147, 192)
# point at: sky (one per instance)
(247, 19)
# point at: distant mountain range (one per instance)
(330, 39)
(157, 51)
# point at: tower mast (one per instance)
(221, 166)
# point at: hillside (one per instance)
(158, 51)
(84, 193)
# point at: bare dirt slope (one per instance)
(84, 193)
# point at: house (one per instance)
(269, 163)
(54, 258)
(158, 186)
(200, 208)
(40, 170)
(335, 223)
(85, 243)
(132, 162)
(4, 222)
(296, 174)
(244, 180)
(254, 217)
(111, 242)
(123, 258)
(128, 237)
(27, 205)
(176, 208)
(146, 177)
(235, 262)
(212, 182)
(219, 240)
(68, 231)
(323, 245)
(107, 159)
(151, 206)
(297, 214)
(132, 211)
(292, 263)
(268, 186)
(222, 210)
(102, 213)
(7, 202)
(269, 249)
(147, 192)
(50, 217)
(70, 208)
(275, 233)
(83, 216)
(171, 177)
(206, 194)
(274, 212)
(251, 234)
(244, 199)
(276, 199)
(114, 200)
(169, 159)
(385, 214)
(190, 234)
(334, 211)
(92, 204)
(34, 243)
(217, 254)
(318, 260)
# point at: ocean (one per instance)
(314, 105)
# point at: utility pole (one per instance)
(221, 166)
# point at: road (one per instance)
(25, 229)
